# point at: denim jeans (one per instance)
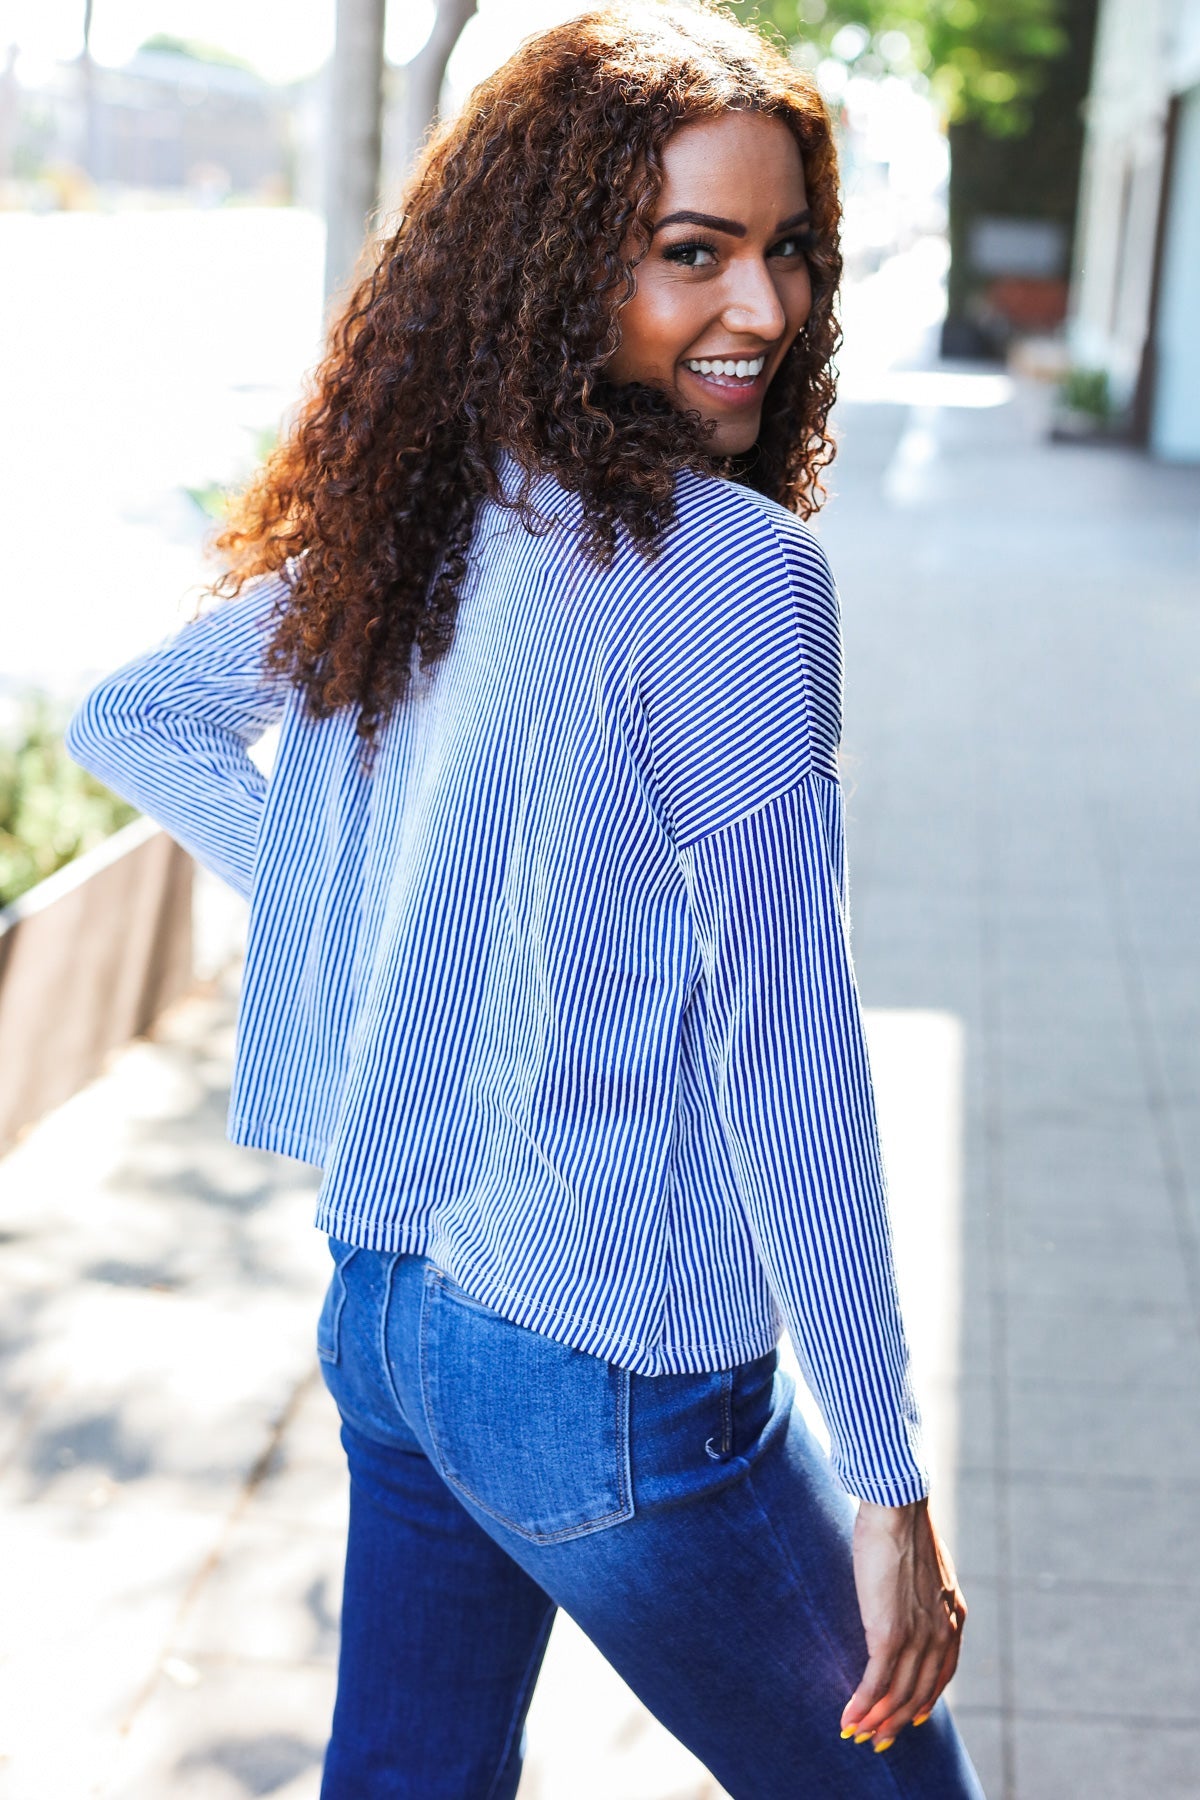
(690, 1524)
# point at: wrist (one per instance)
(894, 1518)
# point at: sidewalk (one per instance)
(1020, 762)
(1022, 647)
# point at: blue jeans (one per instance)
(690, 1524)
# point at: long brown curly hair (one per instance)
(484, 322)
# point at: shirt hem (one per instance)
(900, 1490)
(283, 1140)
(594, 1336)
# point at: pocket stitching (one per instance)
(338, 1282)
(624, 1510)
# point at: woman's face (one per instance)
(726, 278)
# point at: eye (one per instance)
(687, 254)
(797, 243)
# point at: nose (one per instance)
(753, 306)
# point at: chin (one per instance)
(734, 443)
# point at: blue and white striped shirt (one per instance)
(561, 994)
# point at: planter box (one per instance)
(1070, 426)
(88, 959)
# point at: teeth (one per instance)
(741, 366)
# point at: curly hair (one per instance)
(484, 321)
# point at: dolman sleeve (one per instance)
(743, 707)
(170, 732)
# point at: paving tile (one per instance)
(1102, 1213)
(223, 1729)
(1067, 1429)
(1184, 1130)
(1040, 1088)
(975, 1340)
(272, 1593)
(90, 1598)
(977, 1679)
(1077, 1271)
(1138, 1532)
(305, 1482)
(1085, 1156)
(1107, 1651)
(141, 1445)
(897, 973)
(972, 1526)
(1096, 1202)
(981, 1729)
(1105, 1759)
(1132, 1215)
(966, 1421)
(1147, 1349)
(1171, 983)
(1051, 1081)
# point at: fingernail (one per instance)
(921, 1720)
(884, 1744)
(862, 1737)
(849, 1731)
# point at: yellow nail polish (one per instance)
(862, 1737)
(884, 1744)
(849, 1731)
(921, 1720)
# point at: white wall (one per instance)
(1146, 51)
(1175, 426)
(1184, 51)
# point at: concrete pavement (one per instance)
(1020, 762)
(1023, 655)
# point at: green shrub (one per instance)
(51, 810)
(1086, 391)
(214, 496)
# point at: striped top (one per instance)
(561, 994)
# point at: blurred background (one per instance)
(1014, 519)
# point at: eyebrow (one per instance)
(730, 226)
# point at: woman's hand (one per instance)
(912, 1612)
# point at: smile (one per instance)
(746, 368)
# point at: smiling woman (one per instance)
(548, 962)
(538, 296)
(723, 293)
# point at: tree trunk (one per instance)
(354, 128)
(423, 76)
(87, 98)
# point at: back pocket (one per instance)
(532, 1432)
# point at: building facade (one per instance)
(1135, 297)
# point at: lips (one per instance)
(730, 390)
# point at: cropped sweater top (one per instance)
(560, 993)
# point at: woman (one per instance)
(548, 965)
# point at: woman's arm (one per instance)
(170, 732)
(913, 1613)
(740, 680)
(742, 695)
(789, 1062)
(789, 1056)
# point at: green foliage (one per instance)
(1086, 391)
(214, 497)
(50, 809)
(984, 59)
(194, 51)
